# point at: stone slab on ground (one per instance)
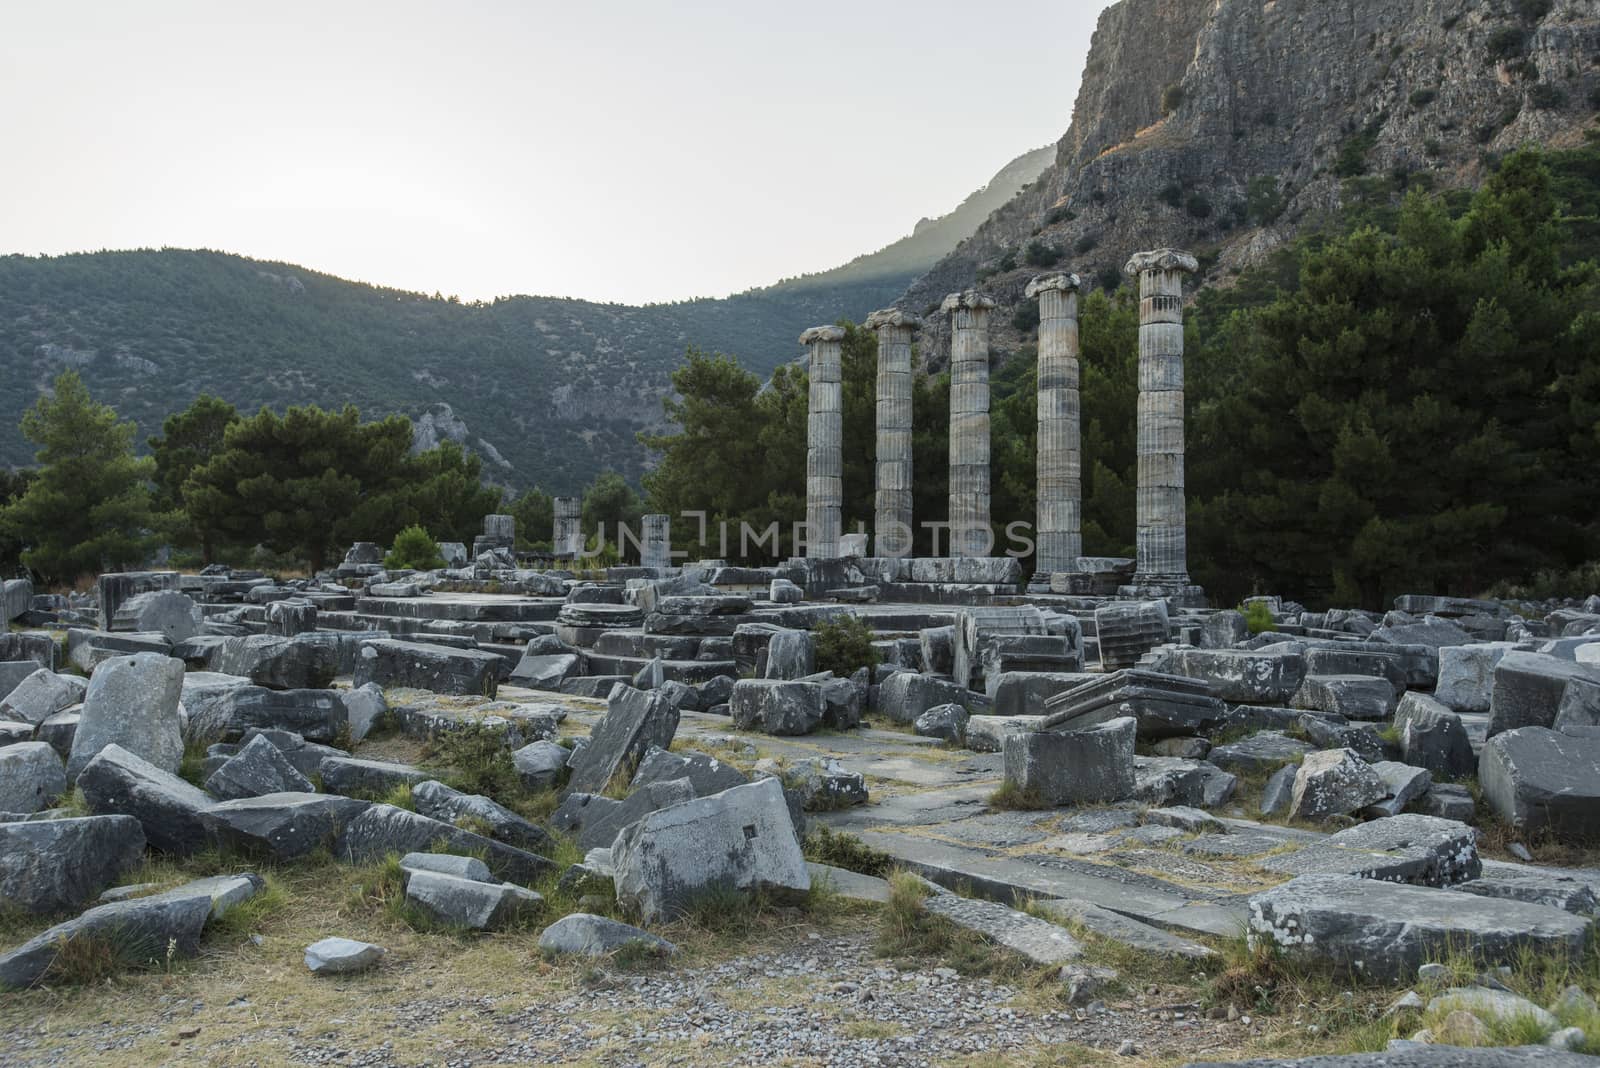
(1040, 941)
(1119, 928)
(1340, 920)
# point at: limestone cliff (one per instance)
(1226, 126)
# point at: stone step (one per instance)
(689, 671)
(1008, 878)
(1040, 941)
(1119, 928)
(463, 607)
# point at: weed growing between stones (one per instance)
(1013, 798)
(843, 646)
(476, 760)
(841, 850)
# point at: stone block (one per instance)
(1074, 767)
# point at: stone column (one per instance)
(1059, 496)
(892, 515)
(969, 423)
(655, 541)
(567, 541)
(824, 443)
(1163, 561)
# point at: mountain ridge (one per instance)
(550, 390)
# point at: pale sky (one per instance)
(623, 151)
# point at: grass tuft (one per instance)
(1013, 798)
(840, 850)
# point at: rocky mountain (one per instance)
(548, 391)
(1228, 126)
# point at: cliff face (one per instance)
(1225, 126)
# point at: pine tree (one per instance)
(88, 508)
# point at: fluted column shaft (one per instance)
(892, 513)
(824, 442)
(1162, 539)
(567, 538)
(1059, 494)
(655, 541)
(969, 423)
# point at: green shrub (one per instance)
(1421, 98)
(1546, 97)
(1506, 43)
(1109, 279)
(415, 550)
(1013, 798)
(1008, 262)
(843, 646)
(1432, 146)
(1060, 215)
(1087, 244)
(1264, 201)
(1258, 617)
(1171, 99)
(1171, 195)
(1198, 207)
(1026, 319)
(1533, 10)
(1039, 254)
(479, 761)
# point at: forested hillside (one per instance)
(550, 391)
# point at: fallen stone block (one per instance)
(381, 829)
(1535, 779)
(1432, 737)
(1165, 705)
(438, 801)
(741, 839)
(546, 672)
(1415, 849)
(1160, 781)
(541, 765)
(53, 865)
(706, 774)
(946, 722)
(446, 864)
(634, 721)
(283, 826)
(1334, 782)
(1350, 696)
(342, 956)
(1074, 767)
(303, 662)
(777, 707)
(1534, 886)
(587, 935)
(170, 810)
(1025, 693)
(354, 777)
(41, 695)
(1039, 941)
(131, 701)
(1264, 751)
(1466, 675)
(259, 767)
(1242, 676)
(364, 706)
(1346, 658)
(822, 784)
(1339, 920)
(140, 932)
(320, 715)
(986, 734)
(438, 668)
(1528, 688)
(466, 903)
(31, 777)
(601, 826)
(905, 695)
